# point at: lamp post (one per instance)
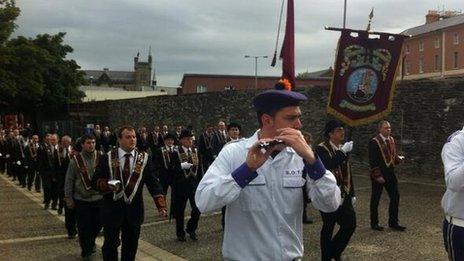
(256, 67)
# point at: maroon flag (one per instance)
(287, 53)
(364, 78)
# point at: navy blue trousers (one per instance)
(453, 237)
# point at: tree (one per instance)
(34, 72)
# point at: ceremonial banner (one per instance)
(363, 83)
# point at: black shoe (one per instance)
(72, 236)
(181, 238)
(398, 227)
(54, 207)
(377, 227)
(60, 211)
(29, 188)
(46, 206)
(192, 235)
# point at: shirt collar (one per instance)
(122, 153)
(186, 149)
(383, 138)
(335, 147)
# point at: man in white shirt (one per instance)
(452, 202)
(262, 188)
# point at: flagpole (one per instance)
(344, 15)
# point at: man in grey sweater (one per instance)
(80, 196)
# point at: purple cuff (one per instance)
(316, 170)
(243, 175)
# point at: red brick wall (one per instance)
(218, 83)
(428, 55)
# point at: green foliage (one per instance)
(34, 72)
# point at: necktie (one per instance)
(126, 168)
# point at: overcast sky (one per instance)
(208, 36)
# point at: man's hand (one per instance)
(69, 203)
(295, 139)
(256, 157)
(380, 180)
(186, 165)
(347, 147)
(163, 213)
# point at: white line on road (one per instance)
(146, 251)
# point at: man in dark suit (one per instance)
(187, 176)
(383, 158)
(2, 151)
(219, 138)
(64, 151)
(335, 157)
(18, 157)
(49, 167)
(106, 139)
(155, 139)
(166, 161)
(142, 140)
(206, 146)
(120, 175)
(32, 150)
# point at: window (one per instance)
(436, 43)
(455, 60)
(201, 88)
(407, 67)
(437, 62)
(421, 46)
(407, 49)
(456, 38)
(421, 65)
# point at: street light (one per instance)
(256, 67)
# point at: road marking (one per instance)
(146, 251)
(30, 239)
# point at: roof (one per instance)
(435, 26)
(117, 76)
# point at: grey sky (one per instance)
(208, 36)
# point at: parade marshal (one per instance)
(122, 209)
(262, 189)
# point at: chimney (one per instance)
(432, 17)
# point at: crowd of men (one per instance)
(75, 177)
(83, 179)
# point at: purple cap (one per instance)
(272, 100)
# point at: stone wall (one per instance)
(424, 114)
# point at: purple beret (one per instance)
(272, 100)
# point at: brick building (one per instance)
(436, 48)
(199, 83)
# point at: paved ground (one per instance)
(27, 232)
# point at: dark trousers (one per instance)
(223, 218)
(33, 177)
(70, 220)
(391, 186)
(453, 237)
(9, 169)
(345, 217)
(179, 201)
(88, 224)
(130, 233)
(20, 172)
(2, 164)
(50, 189)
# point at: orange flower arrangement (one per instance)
(286, 84)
